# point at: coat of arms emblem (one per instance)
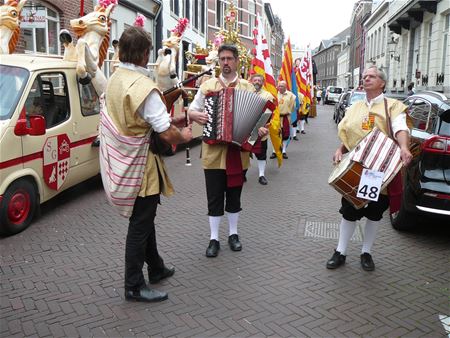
(56, 164)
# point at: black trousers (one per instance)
(373, 211)
(219, 195)
(262, 156)
(141, 242)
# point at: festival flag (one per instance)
(287, 74)
(305, 77)
(262, 65)
(286, 65)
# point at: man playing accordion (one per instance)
(223, 164)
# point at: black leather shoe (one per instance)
(336, 260)
(367, 262)
(213, 248)
(156, 277)
(273, 156)
(262, 180)
(146, 295)
(285, 156)
(297, 131)
(295, 138)
(234, 243)
(303, 132)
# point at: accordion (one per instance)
(232, 116)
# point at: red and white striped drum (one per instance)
(375, 152)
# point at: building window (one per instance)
(196, 14)
(44, 37)
(219, 13)
(251, 17)
(202, 16)
(175, 7)
(187, 9)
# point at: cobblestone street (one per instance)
(63, 276)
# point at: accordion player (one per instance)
(233, 115)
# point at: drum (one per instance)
(345, 179)
(376, 152)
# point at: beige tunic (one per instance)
(359, 120)
(286, 104)
(265, 94)
(214, 156)
(125, 92)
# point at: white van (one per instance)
(48, 125)
(332, 94)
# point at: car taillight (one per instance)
(437, 144)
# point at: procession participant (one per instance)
(223, 165)
(258, 82)
(359, 120)
(286, 104)
(136, 107)
(303, 115)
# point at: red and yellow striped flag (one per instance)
(286, 65)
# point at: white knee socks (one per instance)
(370, 232)
(261, 167)
(302, 125)
(346, 230)
(214, 222)
(233, 219)
(285, 143)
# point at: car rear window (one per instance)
(444, 128)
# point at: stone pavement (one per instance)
(63, 276)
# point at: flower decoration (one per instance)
(139, 21)
(106, 3)
(218, 40)
(180, 27)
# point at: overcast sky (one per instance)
(310, 21)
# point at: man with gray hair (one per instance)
(359, 121)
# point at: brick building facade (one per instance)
(58, 15)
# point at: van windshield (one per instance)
(12, 83)
(335, 90)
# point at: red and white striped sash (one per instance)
(122, 163)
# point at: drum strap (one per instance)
(395, 188)
(388, 120)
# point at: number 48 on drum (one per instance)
(370, 184)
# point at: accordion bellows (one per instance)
(232, 115)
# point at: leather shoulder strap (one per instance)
(388, 120)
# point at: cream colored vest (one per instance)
(125, 92)
(214, 156)
(359, 120)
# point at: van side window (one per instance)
(90, 104)
(48, 97)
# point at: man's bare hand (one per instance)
(262, 131)
(337, 157)
(406, 156)
(199, 117)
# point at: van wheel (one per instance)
(18, 207)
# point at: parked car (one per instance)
(48, 127)
(426, 181)
(332, 94)
(346, 100)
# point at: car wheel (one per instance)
(403, 219)
(18, 207)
